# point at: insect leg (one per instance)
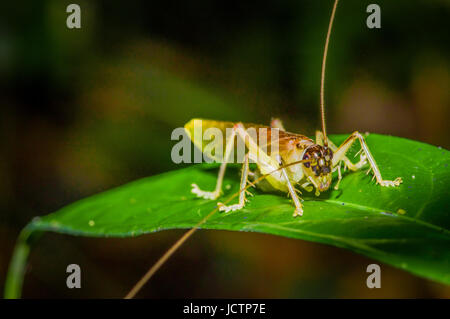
(345, 159)
(267, 164)
(256, 153)
(242, 199)
(218, 190)
(276, 123)
(338, 167)
(339, 155)
(298, 205)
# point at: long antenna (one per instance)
(322, 80)
(189, 233)
(165, 257)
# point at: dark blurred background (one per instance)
(84, 110)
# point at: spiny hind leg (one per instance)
(345, 159)
(267, 164)
(243, 191)
(255, 152)
(340, 152)
(292, 192)
(218, 190)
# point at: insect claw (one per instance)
(393, 183)
(203, 194)
(248, 193)
(226, 209)
(298, 212)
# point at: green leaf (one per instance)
(407, 226)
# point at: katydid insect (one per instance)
(314, 162)
(298, 161)
(317, 159)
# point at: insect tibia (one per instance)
(366, 156)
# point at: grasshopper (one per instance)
(315, 161)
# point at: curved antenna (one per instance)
(188, 234)
(149, 274)
(322, 80)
